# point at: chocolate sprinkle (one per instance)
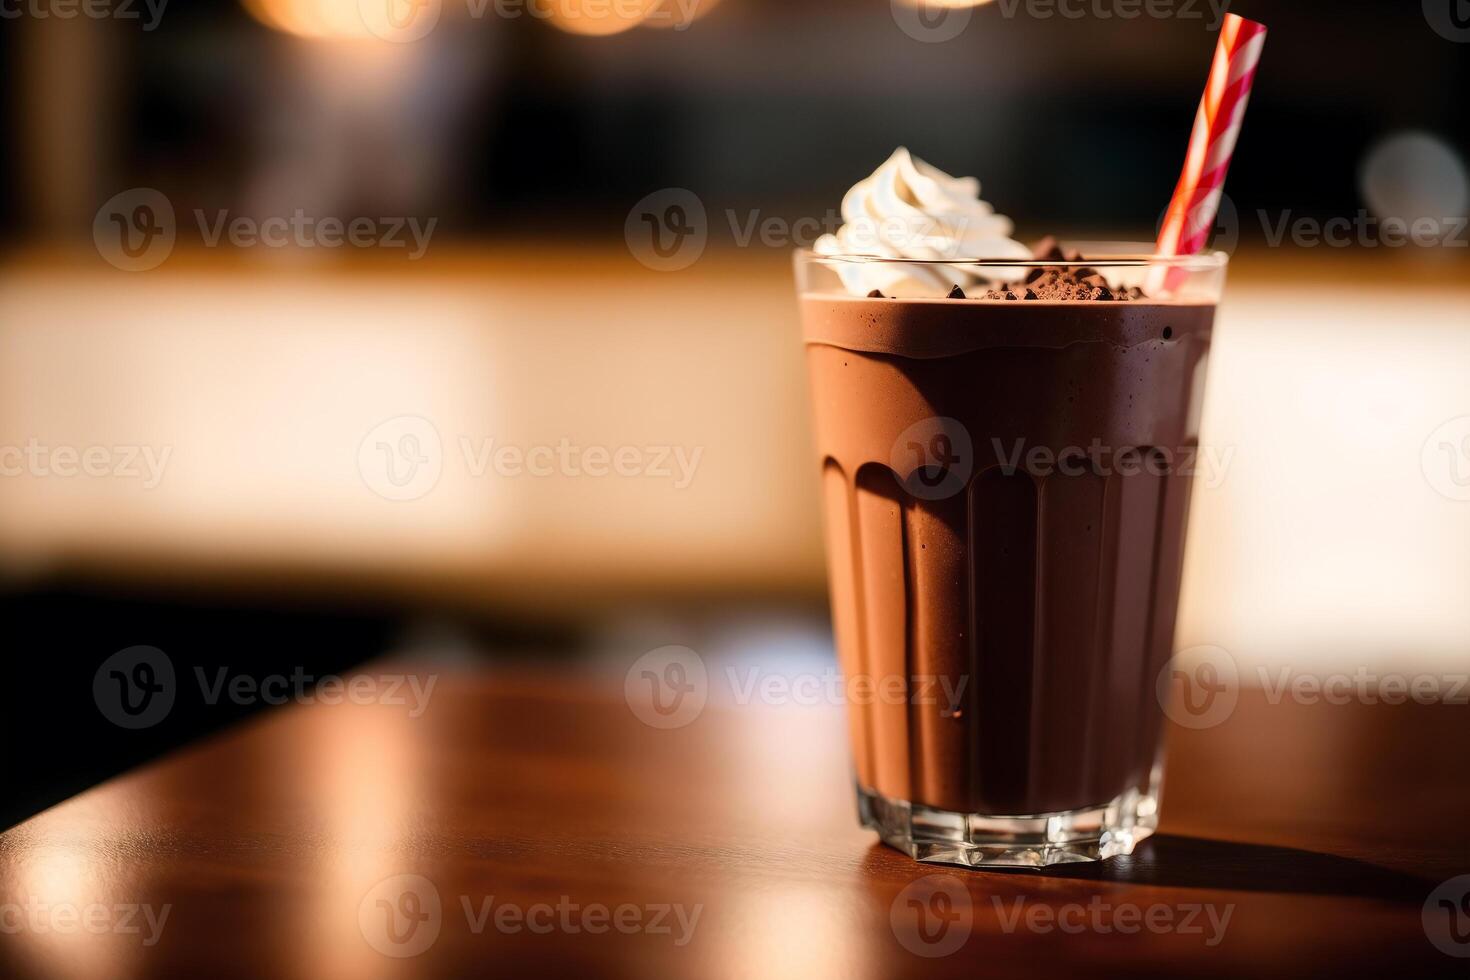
(1063, 282)
(956, 292)
(1050, 250)
(875, 294)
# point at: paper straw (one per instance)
(1196, 198)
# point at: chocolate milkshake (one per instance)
(1006, 470)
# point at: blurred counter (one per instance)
(428, 429)
(594, 426)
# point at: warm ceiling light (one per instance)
(677, 14)
(388, 20)
(598, 17)
(310, 18)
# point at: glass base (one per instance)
(1038, 840)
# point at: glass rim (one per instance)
(1199, 262)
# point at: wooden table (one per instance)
(535, 799)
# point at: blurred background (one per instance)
(231, 433)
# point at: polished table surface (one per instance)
(546, 830)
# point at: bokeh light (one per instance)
(677, 14)
(949, 4)
(349, 20)
(596, 18)
(1413, 175)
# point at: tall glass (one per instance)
(1006, 484)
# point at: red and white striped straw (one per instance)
(1196, 199)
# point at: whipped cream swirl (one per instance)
(907, 209)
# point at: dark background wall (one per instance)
(516, 126)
